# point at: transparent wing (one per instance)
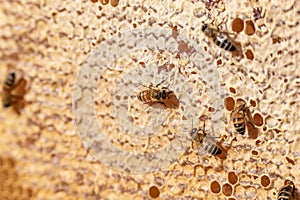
(208, 147)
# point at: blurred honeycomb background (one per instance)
(41, 155)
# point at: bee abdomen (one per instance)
(240, 128)
(144, 97)
(10, 81)
(284, 194)
(213, 149)
(224, 44)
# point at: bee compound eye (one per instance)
(164, 94)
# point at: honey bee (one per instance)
(156, 95)
(205, 141)
(240, 115)
(218, 37)
(287, 191)
(13, 92)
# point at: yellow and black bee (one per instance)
(13, 92)
(204, 142)
(287, 191)
(240, 115)
(156, 95)
(219, 38)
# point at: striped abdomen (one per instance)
(286, 192)
(148, 96)
(239, 122)
(212, 148)
(10, 81)
(224, 43)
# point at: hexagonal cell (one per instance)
(154, 191)
(104, 2)
(229, 103)
(114, 3)
(232, 178)
(250, 28)
(258, 120)
(254, 152)
(215, 187)
(232, 90)
(265, 181)
(237, 25)
(249, 54)
(253, 103)
(227, 189)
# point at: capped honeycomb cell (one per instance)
(232, 178)
(265, 181)
(250, 28)
(215, 187)
(229, 103)
(258, 120)
(227, 189)
(154, 191)
(237, 25)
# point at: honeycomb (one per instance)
(50, 150)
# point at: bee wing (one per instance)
(20, 88)
(171, 101)
(201, 147)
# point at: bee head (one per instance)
(204, 26)
(193, 131)
(12, 74)
(6, 103)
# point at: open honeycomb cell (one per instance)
(265, 181)
(227, 189)
(215, 187)
(154, 191)
(232, 178)
(250, 28)
(237, 25)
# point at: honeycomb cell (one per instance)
(257, 13)
(215, 187)
(232, 90)
(254, 152)
(249, 54)
(237, 25)
(229, 103)
(114, 3)
(253, 103)
(258, 119)
(154, 191)
(265, 181)
(94, 1)
(250, 29)
(227, 189)
(232, 178)
(104, 2)
(290, 160)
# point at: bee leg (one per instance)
(160, 83)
